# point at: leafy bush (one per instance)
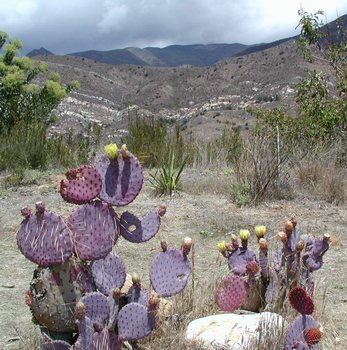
(21, 97)
(153, 141)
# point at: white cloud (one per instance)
(75, 25)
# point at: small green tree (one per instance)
(22, 97)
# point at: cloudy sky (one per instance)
(65, 26)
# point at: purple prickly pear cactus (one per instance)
(44, 238)
(231, 293)
(109, 273)
(122, 178)
(135, 322)
(78, 270)
(139, 230)
(94, 230)
(82, 185)
(169, 272)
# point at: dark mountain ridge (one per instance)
(196, 55)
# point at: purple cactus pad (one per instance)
(85, 334)
(122, 178)
(139, 230)
(238, 260)
(109, 273)
(295, 336)
(45, 239)
(82, 185)
(94, 230)
(97, 307)
(134, 322)
(232, 292)
(169, 272)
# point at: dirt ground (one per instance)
(203, 215)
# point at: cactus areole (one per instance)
(77, 287)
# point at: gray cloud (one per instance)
(64, 26)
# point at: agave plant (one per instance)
(166, 180)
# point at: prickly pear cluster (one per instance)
(233, 290)
(290, 268)
(76, 293)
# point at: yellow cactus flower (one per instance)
(244, 234)
(111, 151)
(260, 231)
(222, 247)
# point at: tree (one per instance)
(22, 97)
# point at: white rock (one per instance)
(231, 331)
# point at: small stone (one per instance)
(8, 285)
(231, 331)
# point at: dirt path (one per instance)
(204, 217)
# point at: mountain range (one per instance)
(176, 55)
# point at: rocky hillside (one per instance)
(203, 98)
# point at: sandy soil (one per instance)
(203, 215)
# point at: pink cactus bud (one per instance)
(300, 246)
(153, 302)
(288, 226)
(125, 152)
(135, 278)
(282, 236)
(40, 207)
(116, 294)
(26, 212)
(163, 245)
(162, 209)
(80, 310)
(326, 237)
(293, 220)
(234, 240)
(263, 244)
(186, 245)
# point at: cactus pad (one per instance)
(296, 333)
(97, 307)
(134, 322)
(238, 260)
(122, 178)
(139, 230)
(231, 293)
(82, 185)
(301, 301)
(45, 239)
(137, 294)
(94, 230)
(169, 272)
(54, 292)
(109, 273)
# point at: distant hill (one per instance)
(39, 52)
